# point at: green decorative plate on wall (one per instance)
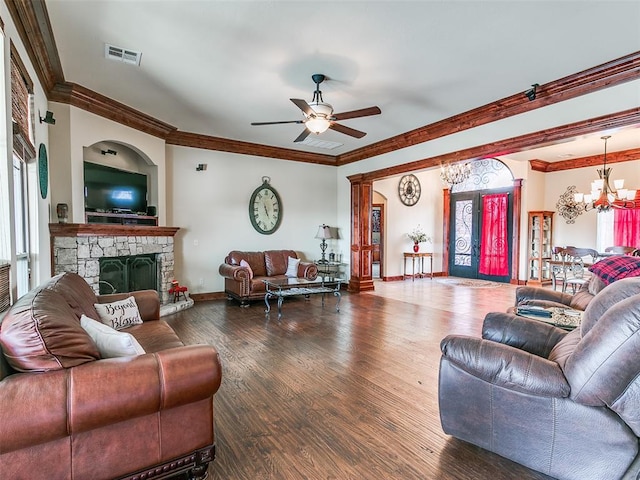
(43, 170)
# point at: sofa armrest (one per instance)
(234, 272)
(524, 295)
(148, 302)
(308, 270)
(505, 366)
(108, 391)
(533, 336)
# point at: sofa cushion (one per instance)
(277, 261)
(292, 267)
(254, 259)
(41, 332)
(616, 267)
(607, 298)
(76, 292)
(111, 343)
(120, 314)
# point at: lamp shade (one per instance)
(324, 231)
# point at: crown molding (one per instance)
(195, 140)
(606, 75)
(93, 102)
(539, 165)
(538, 139)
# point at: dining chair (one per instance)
(575, 272)
(620, 250)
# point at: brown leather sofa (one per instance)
(563, 403)
(65, 413)
(244, 284)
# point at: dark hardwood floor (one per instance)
(348, 395)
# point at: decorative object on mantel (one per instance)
(454, 173)
(602, 196)
(324, 233)
(418, 236)
(62, 210)
(567, 205)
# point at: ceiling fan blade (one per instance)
(305, 133)
(304, 106)
(363, 112)
(276, 123)
(352, 132)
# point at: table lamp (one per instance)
(324, 232)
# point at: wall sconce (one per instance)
(48, 118)
(568, 207)
(108, 152)
(201, 167)
(531, 93)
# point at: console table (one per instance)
(420, 256)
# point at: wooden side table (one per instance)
(420, 256)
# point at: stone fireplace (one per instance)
(79, 247)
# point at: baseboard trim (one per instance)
(203, 297)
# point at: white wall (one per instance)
(211, 207)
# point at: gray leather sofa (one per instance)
(564, 403)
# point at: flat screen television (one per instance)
(108, 189)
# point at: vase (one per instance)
(416, 247)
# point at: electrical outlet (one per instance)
(196, 243)
(201, 282)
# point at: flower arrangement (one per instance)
(417, 235)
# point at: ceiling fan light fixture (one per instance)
(317, 124)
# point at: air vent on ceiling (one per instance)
(122, 54)
(312, 142)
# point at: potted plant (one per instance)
(418, 236)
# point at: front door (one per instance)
(470, 218)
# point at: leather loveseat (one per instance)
(563, 403)
(67, 413)
(245, 282)
(543, 297)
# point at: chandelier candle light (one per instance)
(602, 196)
(454, 173)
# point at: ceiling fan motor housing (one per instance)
(322, 109)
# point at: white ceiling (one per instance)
(213, 67)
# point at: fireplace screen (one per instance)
(128, 274)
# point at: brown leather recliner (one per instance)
(67, 413)
(564, 403)
(245, 284)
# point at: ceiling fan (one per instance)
(318, 116)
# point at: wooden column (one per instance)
(361, 248)
(446, 226)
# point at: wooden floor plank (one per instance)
(321, 394)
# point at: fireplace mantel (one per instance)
(102, 229)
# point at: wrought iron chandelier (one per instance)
(454, 173)
(602, 196)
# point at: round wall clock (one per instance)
(409, 190)
(265, 208)
(43, 170)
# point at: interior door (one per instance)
(466, 229)
(377, 229)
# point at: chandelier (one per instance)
(602, 196)
(454, 173)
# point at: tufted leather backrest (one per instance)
(277, 261)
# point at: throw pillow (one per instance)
(244, 263)
(292, 267)
(616, 267)
(110, 342)
(119, 315)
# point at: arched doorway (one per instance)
(481, 223)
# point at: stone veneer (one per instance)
(78, 247)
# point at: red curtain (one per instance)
(494, 255)
(626, 227)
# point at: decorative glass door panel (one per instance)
(464, 260)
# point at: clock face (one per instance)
(265, 209)
(409, 190)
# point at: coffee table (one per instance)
(290, 287)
